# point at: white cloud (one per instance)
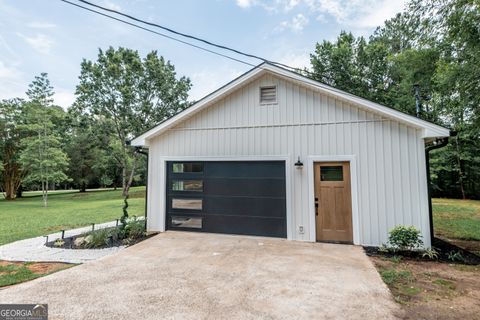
(40, 42)
(297, 23)
(41, 25)
(64, 98)
(12, 82)
(299, 59)
(354, 13)
(206, 81)
(384, 10)
(244, 3)
(290, 4)
(112, 5)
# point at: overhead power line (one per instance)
(159, 33)
(175, 32)
(299, 71)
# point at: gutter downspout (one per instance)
(145, 153)
(437, 144)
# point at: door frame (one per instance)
(354, 192)
(160, 201)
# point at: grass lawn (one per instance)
(457, 219)
(435, 290)
(27, 218)
(432, 290)
(15, 272)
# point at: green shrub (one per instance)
(101, 237)
(135, 229)
(431, 254)
(404, 238)
(455, 256)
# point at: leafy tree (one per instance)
(12, 173)
(87, 150)
(42, 157)
(454, 27)
(435, 44)
(130, 93)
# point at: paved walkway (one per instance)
(180, 275)
(34, 249)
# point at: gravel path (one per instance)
(34, 249)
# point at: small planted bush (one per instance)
(402, 238)
(135, 229)
(431, 254)
(101, 238)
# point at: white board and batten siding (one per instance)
(388, 156)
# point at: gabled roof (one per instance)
(431, 130)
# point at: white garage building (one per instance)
(273, 153)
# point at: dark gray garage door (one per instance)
(246, 197)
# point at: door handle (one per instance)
(316, 206)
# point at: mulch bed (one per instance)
(443, 248)
(70, 242)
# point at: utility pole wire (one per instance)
(299, 71)
(158, 33)
(177, 33)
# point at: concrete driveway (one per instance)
(180, 275)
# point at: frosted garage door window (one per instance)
(187, 167)
(187, 222)
(189, 204)
(187, 185)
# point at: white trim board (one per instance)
(430, 130)
(286, 158)
(354, 191)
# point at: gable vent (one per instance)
(268, 94)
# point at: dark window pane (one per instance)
(187, 185)
(333, 173)
(187, 222)
(190, 204)
(187, 167)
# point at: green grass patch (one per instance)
(12, 274)
(400, 282)
(391, 276)
(444, 283)
(15, 272)
(27, 218)
(457, 219)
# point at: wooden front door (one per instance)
(333, 202)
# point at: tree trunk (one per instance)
(124, 178)
(12, 175)
(124, 217)
(20, 192)
(83, 187)
(45, 193)
(460, 170)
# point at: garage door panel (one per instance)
(251, 169)
(239, 197)
(245, 206)
(245, 225)
(257, 187)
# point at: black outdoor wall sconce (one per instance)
(299, 164)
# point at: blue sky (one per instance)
(50, 36)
